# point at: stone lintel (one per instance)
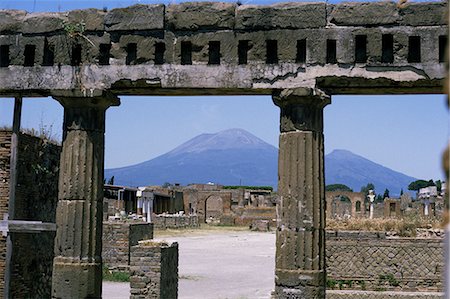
(300, 110)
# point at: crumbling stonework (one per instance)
(342, 48)
(35, 200)
(175, 221)
(372, 261)
(154, 270)
(118, 238)
(301, 53)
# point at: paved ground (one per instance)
(219, 264)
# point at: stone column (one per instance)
(77, 267)
(300, 253)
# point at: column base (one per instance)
(299, 284)
(77, 280)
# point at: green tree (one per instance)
(338, 187)
(111, 181)
(438, 185)
(401, 192)
(379, 198)
(386, 193)
(416, 185)
(431, 183)
(365, 189)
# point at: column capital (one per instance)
(301, 110)
(97, 102)
(86, 113)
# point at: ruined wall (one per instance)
(175, 221)
(118, 238)
(36, 197)
(226, 46)
(154, 270)
(371, 261)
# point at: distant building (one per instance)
(427, 192)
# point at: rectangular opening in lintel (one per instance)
(442, 45)
(271, 51)
(160, 49)
(361, 48)
(387, 48)
(30, 54)
(301, 51)
(104, 54)
(331, 51)
(131, 54)
(4, 55)
(76, 55)
(414, 49)
(186, 53)
(214, 52)
(243, 48)
(49, 54)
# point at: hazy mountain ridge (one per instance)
(235, 156)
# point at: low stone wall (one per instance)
(118, 238)
(154, 270)
(382, 295)
(175, 221)
(372, 261)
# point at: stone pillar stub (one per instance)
(77, 267)
(300, 245)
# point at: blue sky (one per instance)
(406, 133)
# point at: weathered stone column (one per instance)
(77, 268)
(300, 253)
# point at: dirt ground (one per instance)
(218, 263)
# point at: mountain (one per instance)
(344, 167)
(236, 157)
(230, 157)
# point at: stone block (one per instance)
(201, 15)
(281, 16)
(43, 22)
(365, 14)
(92, 18)
(11, 20)
(136, 17)
(424, 14)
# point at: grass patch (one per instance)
(116, 276)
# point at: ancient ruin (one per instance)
(301, 53)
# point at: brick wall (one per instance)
(118, 238)
(154, 270)
(5, 149)
(175, 221)
(372, 261)
(35, 199)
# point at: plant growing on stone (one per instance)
(76, 30)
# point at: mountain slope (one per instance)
(230, 157)
(344, 167)
(235, 156)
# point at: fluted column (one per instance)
(77, 267)
(300, 253)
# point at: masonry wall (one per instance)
(5, 150)
(118, 238)
(154, 270)
(175, 221)
(372, 261)
(36, 198)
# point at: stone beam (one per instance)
(77, 267)
(300, 240)
(357, 48)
